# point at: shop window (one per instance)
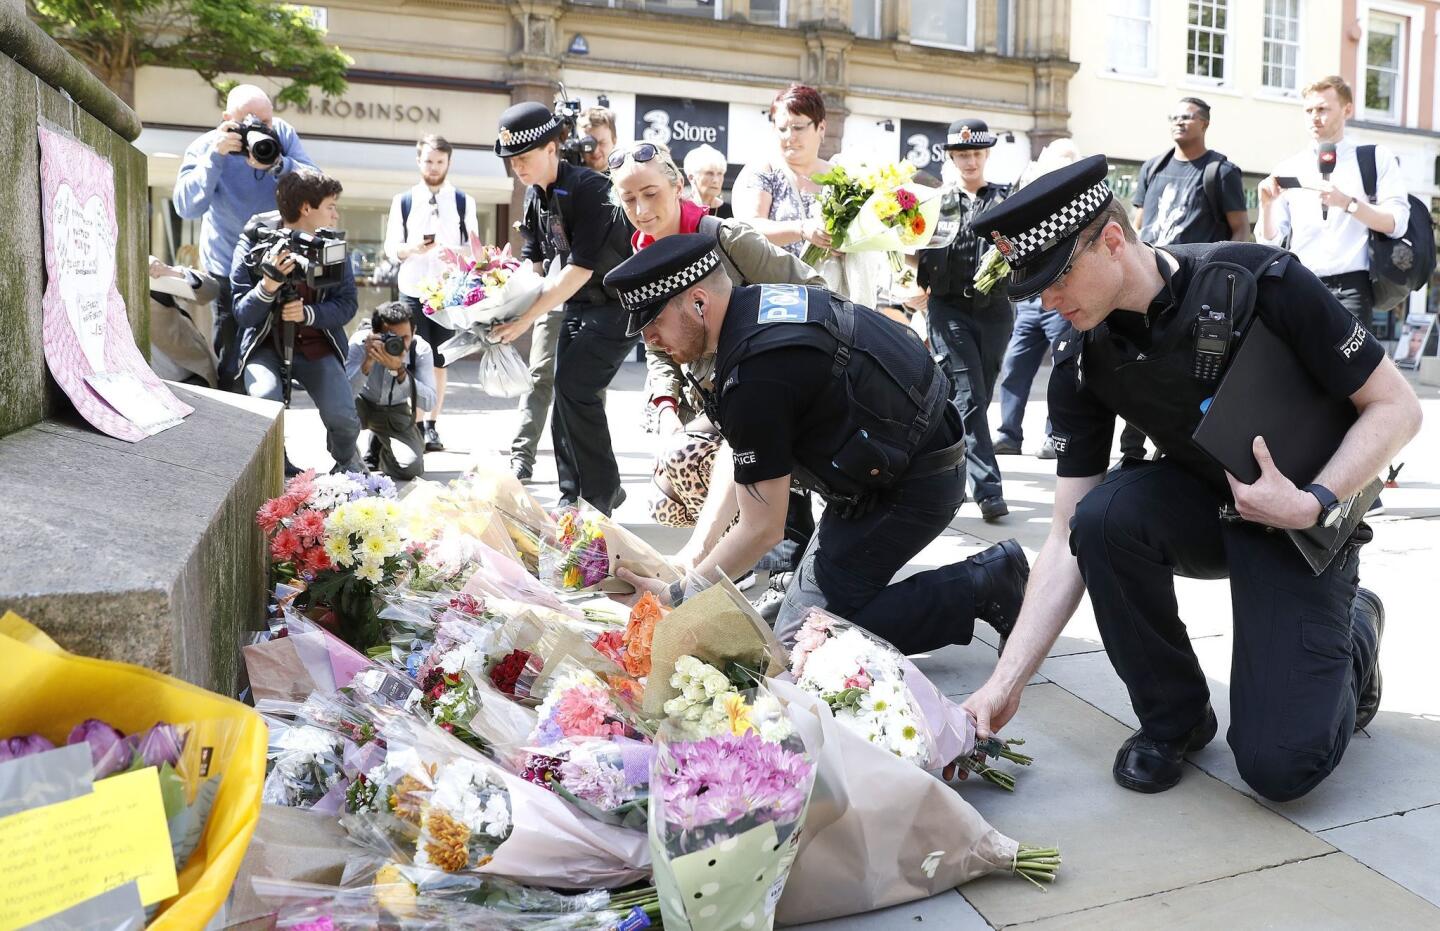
(946, 23)
(1281, 61)
(1384, 67)
(768, 12)
(1132, 37)
(1207, 40)
(865, 18)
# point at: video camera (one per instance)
(572, 148)
(258, 141)
(319, 257)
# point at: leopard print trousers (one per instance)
(682, 479)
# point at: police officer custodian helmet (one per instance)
(523, 127)
(651, 277)
(1038, 228)
(969, 134)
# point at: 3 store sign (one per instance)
(682, 123)
(922, 143)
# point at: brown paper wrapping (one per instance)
(713, 628)
(880, 831)
(276, 671)
(292, 844)
(628, 551)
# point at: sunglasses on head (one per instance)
(643, 152)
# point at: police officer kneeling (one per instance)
(1305, 672)
(847, 403)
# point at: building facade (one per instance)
(1249, 59)
(894, 73)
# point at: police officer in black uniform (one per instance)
(569, 220)
(1305, 672)
(968, 329)
(847, 403)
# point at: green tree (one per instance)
(116, 37)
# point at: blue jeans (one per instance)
(848, 566)
(324, 380)
(1035, 330)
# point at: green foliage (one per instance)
(210, 37)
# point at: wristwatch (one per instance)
(1330, 510)
(1353, 206)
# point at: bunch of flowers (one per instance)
(515, 672)
(861, 680)
(305, 764)
(365, 547)
(579, 704)
(851, 189)
(630, 648)
(899, 209)
(479, 291)
(579, 559)
(607, 778)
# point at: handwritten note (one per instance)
(59, 855)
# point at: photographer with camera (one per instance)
(392, 370)
(570, 226)
(290, 278)
(596, 131)
(229, 175)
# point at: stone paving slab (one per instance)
(1115, 844)
(1404, 847)
(1324, 892)
(947, 911)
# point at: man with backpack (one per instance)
(1330, 218)
(1189, 194)
(431, 214)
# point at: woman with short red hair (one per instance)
(776, 195)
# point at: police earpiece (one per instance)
(700, 309)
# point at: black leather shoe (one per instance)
(523, 470)
(432, 438)
(1148, 765)
(1368, 605)
(999, 575)
(992, 509)
(1006, 448)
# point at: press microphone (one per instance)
(1327, 165)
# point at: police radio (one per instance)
(1212, 346)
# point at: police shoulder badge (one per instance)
(1004, 245)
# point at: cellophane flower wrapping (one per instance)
(876, 692)
(576, 559)
(606, 778)
(726, 810)
(491, 288)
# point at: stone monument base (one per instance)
(148, 552)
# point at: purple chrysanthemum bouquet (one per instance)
(725, 814)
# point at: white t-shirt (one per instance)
(1338, 243)
(429, 213)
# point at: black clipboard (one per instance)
(1268, 392)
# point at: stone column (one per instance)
(1052, 103)
(825, 53)
(535, 69)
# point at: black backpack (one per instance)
(1397, 266)
(1209, 181)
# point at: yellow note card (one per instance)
(56, 856)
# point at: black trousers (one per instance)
(225, 336)
(592, 347)
(848, 566)
(1298, 661)
(972, 342)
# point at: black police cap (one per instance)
(651, 277)
(1038, 228)
(969, 134)
(523, 127)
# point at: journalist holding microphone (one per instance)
(261, 280)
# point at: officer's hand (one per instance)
(1332, 196)
(228, 142)
(293, 312)
(688, 557)
(1273, 500)
(512, 330)
(813, 232)
(1269, 189)
(661, 590)
(992, 707)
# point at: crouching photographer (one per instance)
(392, 370)
(294, 292)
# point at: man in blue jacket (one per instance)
(306, 199)
(223, 184)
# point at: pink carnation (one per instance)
(285, 546)
(267, 518)
(284, 506)
(310, 525)
(313, 561)
(586, 711)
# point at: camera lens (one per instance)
(394, 345)
(263, 147)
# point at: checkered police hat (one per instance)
(651, 277)
(1037, 229)
(969, 134)
(523, 127)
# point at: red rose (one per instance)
(506, 673)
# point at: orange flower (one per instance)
(639, 631)
(917, 225)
